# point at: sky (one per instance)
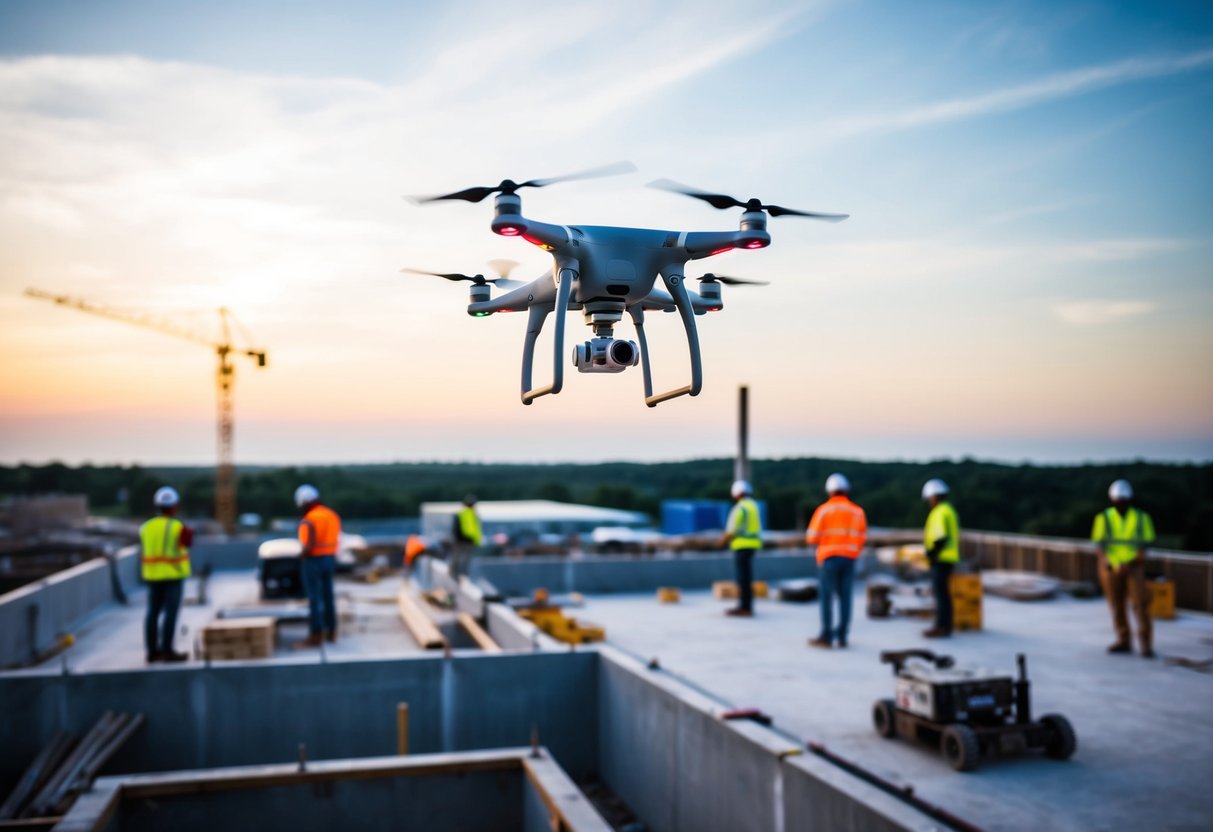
(1026, 274)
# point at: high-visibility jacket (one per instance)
(839, 528)
(164, 558)
(322, 528)
(469, 526)
(745, 525)
(943, 524)
(1122, 537)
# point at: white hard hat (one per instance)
(836, 483)
(739, 487)
(934, 488)
(166, 497)
(305, 494)
(1120, 490)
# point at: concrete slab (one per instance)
(369, 625)
(1145, 731)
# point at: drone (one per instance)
(606, 272)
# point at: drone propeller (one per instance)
(732, 281)
(509, 186)
(502, 281)
(723, 201)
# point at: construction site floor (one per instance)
(368, 624)
(1144, 727)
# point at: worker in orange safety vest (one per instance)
(839, 530)
(319, 536)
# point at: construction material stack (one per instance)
(239, 638)
(966, 601)
(552, 620)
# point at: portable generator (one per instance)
(966, 712)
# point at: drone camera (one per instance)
(605, 355)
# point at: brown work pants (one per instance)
(1128, 583)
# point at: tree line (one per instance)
(1028, 499)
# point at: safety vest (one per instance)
(1122, 537)
(469, 526)
(325, 528)
(943, 524)
(164, 558)
(745, 525)
(839, 528)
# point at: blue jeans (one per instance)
(163, 597)
(318, 583)
(837, 578)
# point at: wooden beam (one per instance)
(483, 640)
(423, 629)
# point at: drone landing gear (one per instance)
(678, 291)
(537, 315)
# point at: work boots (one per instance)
(173, 656)
(936, 632)
(312, 640)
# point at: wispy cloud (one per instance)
(1100, 312)
(1053, 87)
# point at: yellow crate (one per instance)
(965, 586)
(1162, 598)
(724, 590)
(966, 621)
(760, 589)
(668, 594)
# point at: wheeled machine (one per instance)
(966, 712)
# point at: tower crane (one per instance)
(225, 471)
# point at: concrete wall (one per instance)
(664, 750)
(33, 617)
(625, 574)
(254, 713)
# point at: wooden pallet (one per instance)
(239, 638)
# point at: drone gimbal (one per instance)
(606, 272)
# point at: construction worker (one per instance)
(165, 542)
(467, 536)
(941, 539)
(414, 547)
(320, 535)
(743, 534)
(1122, 532)
(839, 529)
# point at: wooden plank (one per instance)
(483, 640)
(422, 628)
(568, 808)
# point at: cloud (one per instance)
(1061, 85)
(1100, 312)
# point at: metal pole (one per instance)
(741, 469)
(402, 728)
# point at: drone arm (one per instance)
(675, 284)
(564, 291)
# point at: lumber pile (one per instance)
(239, 638)
(65, 768)
(420, 626)
(555, 623)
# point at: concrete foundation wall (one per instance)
(625, 574)
(249, 713)
(664, 750)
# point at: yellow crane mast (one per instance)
(225, 471)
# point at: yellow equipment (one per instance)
(225, 471)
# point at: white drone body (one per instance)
(607, 272)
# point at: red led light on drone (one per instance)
(539, 243)
(509, 231)
(720, 251)
(755, 244)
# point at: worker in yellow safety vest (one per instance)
(165, 543)
(839, 530)
(743, 535)
(319, 538)
(467, 536)
(1122, 532)
(941, 539)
